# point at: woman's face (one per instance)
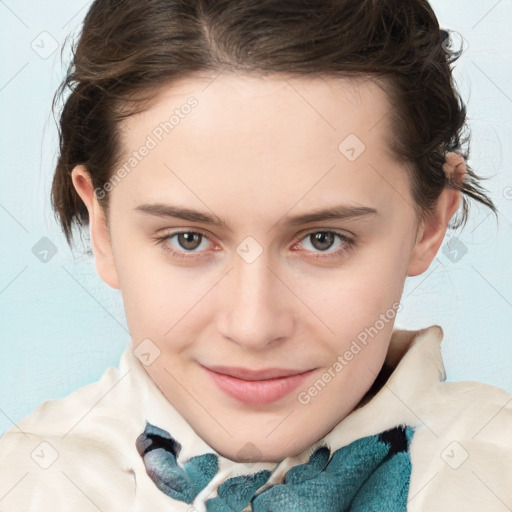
(269, 318)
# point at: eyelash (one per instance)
(348, 244)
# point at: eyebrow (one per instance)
(337, 212)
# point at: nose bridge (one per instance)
(254, 310)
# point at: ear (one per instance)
(432, 230)
(100, 238)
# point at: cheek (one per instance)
(376, 273)
(159, 299)
(365, 293)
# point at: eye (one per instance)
(322, 241)
(186, 242)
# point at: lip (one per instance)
(256, 387)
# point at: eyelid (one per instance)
(169, 232)
(341, 232)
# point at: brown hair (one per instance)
(128, 47)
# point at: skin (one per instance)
(254, 150)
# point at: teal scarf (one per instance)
(370, 474)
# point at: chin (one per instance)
(262, 450)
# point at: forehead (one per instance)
(320, 136)
(230, 103)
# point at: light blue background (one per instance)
(61, 326)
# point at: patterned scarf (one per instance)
(370, 474)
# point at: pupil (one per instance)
(322, 237)
(188, 238)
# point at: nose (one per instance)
(255, 305)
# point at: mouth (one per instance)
(256, 387)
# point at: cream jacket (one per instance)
(77, 453)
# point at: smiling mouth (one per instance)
(256, 387)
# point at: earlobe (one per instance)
(428, 240)
(100, 238)
(432, 229)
